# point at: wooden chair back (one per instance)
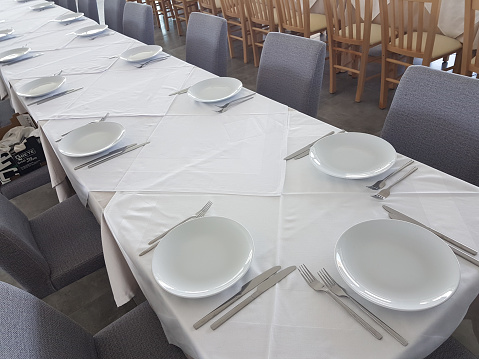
(234, 12)
(470, 63)
(209, 7)
(415, 38)
(294, 16)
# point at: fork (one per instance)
(233, 103)
(383, 194)
(381, 183)
(340, 292)
(238, 99)
(66, 133)
(319, 287)
(151, 61)
(198, 214)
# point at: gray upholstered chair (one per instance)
(291, 71)
(138, 22)
(52, 250)
(31, 329)
(451, 349)
(434, 119)
(26, 183)
(207, 43)
(89, 8)
(68, 4)
(114, 14)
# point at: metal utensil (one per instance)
(104, 156)
(320, 287)
(66, 133)
(401, 216)
(384, 193)
(60, 94)
(306, 148)
(102, 35)
(381, 183)
(263, 287)
(340, 292)
(182, 91)
(100, 161)
(233, 104)
(238, 99)
(139, 66)
(246, 288)
(200, 213)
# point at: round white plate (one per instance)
(215, 89)
(202, 257)
(42, 86)
(43, 5)
(91, 30)
(397, 264)
(6, 32)
(141, 53)
(91, 138)
(13, 54)
(352, 155)
(69, 17)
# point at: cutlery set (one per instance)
(52, 97)
(304, 151)
(23, 59)
(110, 155)
(152, 61)
(228, 105)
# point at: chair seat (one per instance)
(72, 246)
(317, 22)
(443, 45)
(375, 37)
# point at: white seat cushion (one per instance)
(443, 45)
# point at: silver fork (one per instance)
(198, 214)
(383, 194)
(319, 287)
(151, 61)
(238, 99)
(381, 183)
(66, 133)
(233, 103)
(340, 292)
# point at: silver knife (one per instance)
(306, 148)
(104, 156)
(246, 288)
(185, 90)
(398, 215)
(263, 287)
(22, 59)
(306, 151)
(43, 100)
(117, 154)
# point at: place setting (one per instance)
(16, 55)
(7, 34)
(43, 6)
(142, 56)
(69, 17)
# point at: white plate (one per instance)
(13, 54)
(69, 17)
(397, 264)
(6, 32)
(215, 89)
(202, 257)
(43, 5)
(90, 139)
(42, 86)
(91, 30)
(141, 53)
(352, 155)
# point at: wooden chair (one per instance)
(469, 62)
(182, 10)
(237, 24)
(349, 34)
(162, 8)
(210, 6)
(262, 18)
(413, 40)
(294, 16)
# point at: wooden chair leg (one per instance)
(230, 42)
(332, 69)
(457, 62)
(362, 73)
(244, 35)
(383, 95)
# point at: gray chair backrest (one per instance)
(138, 22)
(19, 254)
(434, 119)
(89, 8)
(31, 329)
(291, 71)
(207, 43)
(68, 4)
(114, 14)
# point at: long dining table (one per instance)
(294, 213)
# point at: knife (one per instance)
(117, 154)
(398, 215)
(24, 58)
(306, 148)
(246, 288)
(263, 287)
(46, 99)
(104, 156)
(185, 90)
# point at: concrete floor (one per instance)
(90, 302)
